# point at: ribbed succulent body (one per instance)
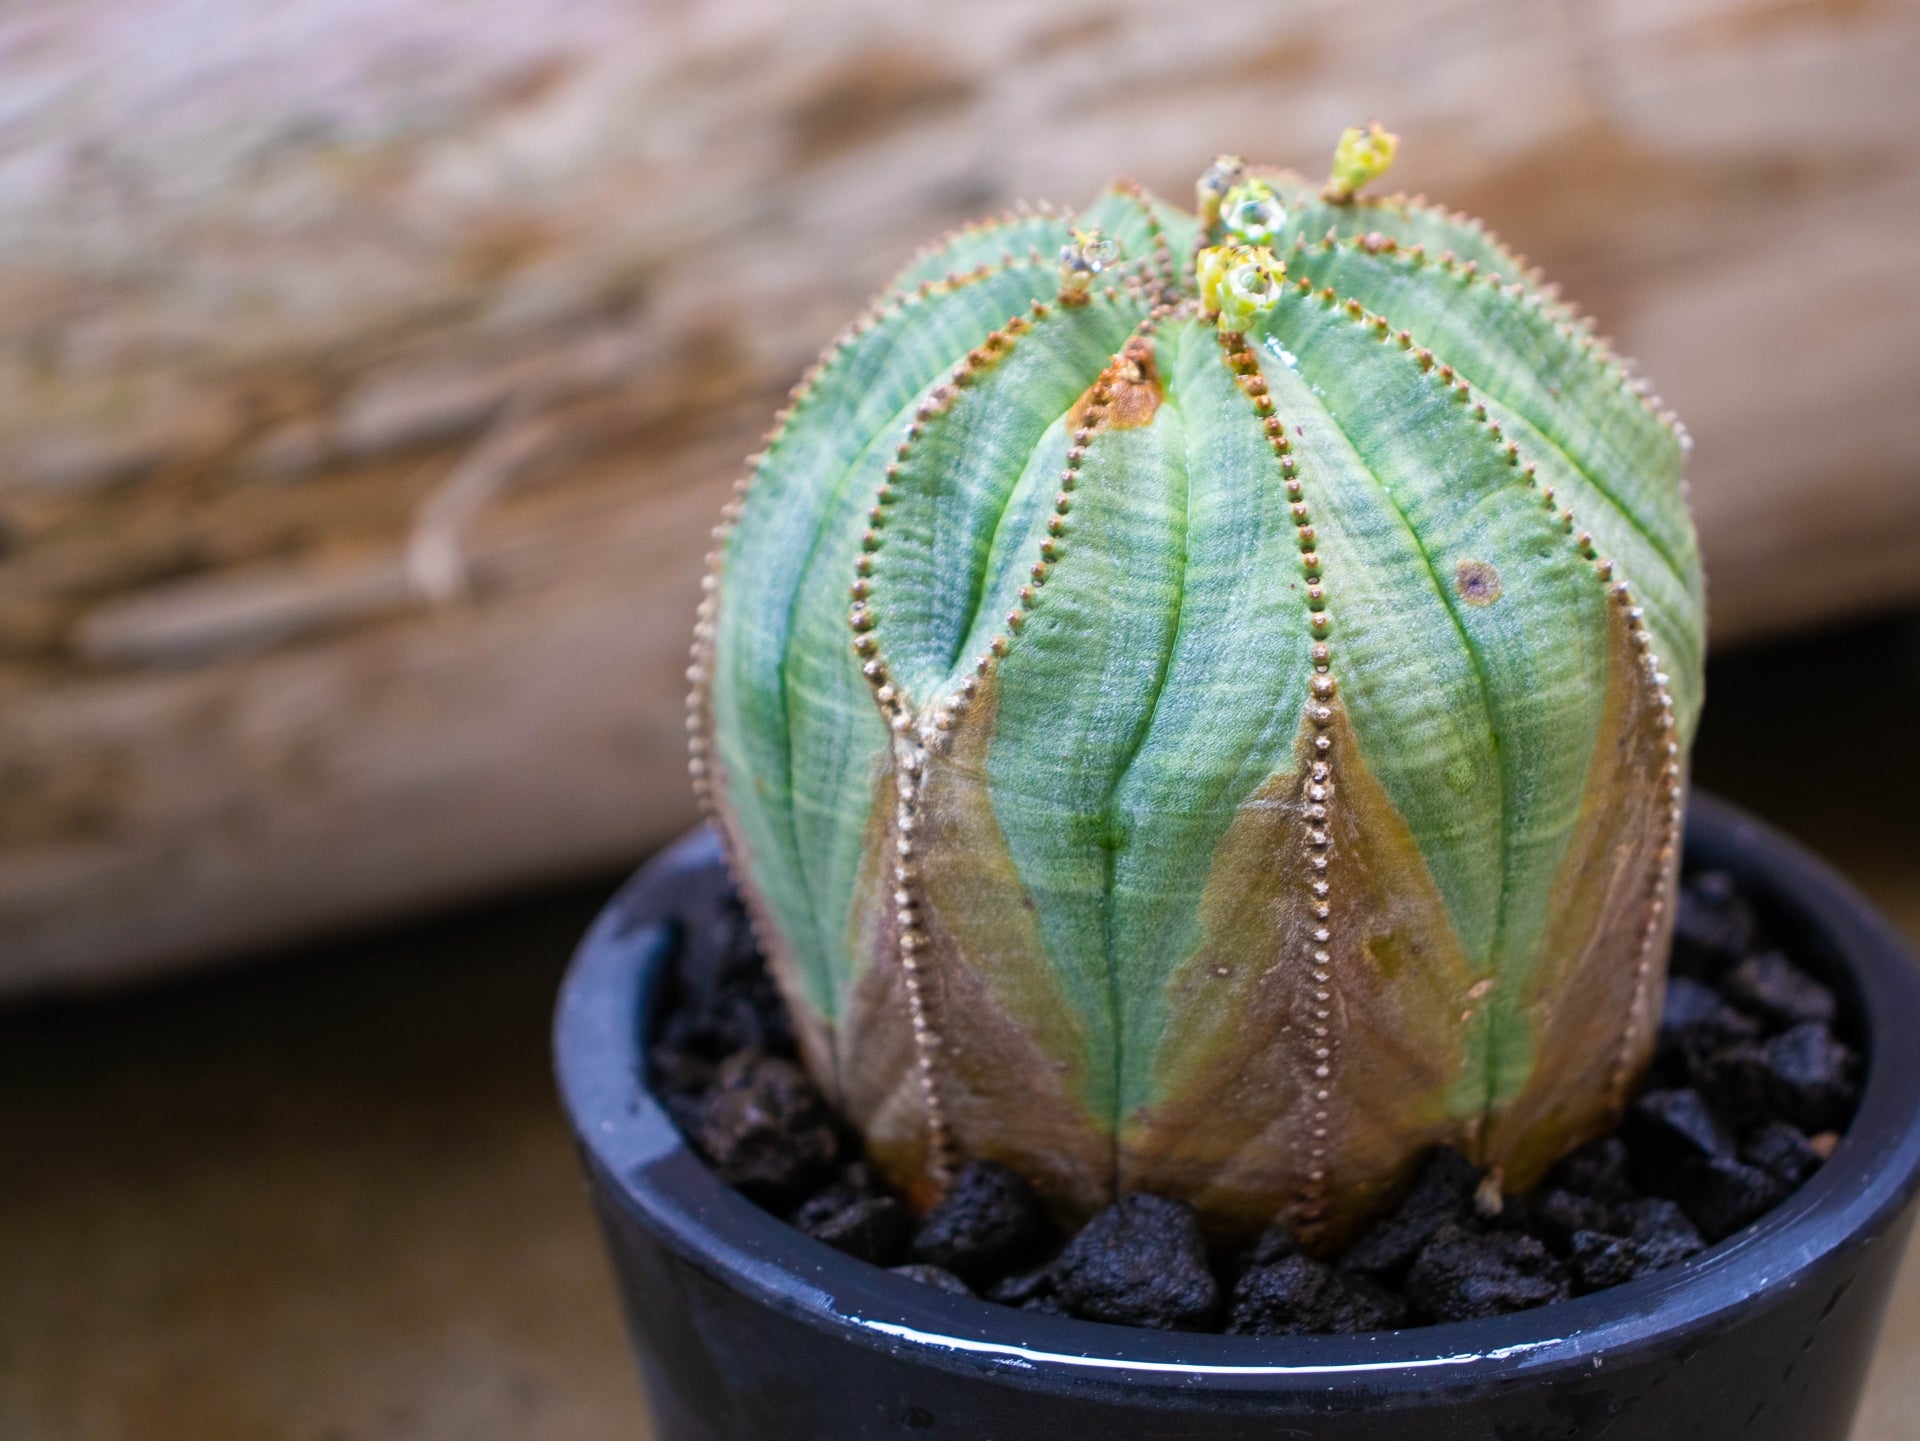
(1199, 705)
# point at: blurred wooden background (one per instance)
(372, 370)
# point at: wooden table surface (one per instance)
(332, 1199)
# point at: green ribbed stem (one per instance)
(1206, 712)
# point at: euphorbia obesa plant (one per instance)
(1199, 704)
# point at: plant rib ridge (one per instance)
(1144, 332)
(1379, 327)
(703, 761)
(1317, 794)
(920, 738)
(1656, 681)
(1380, 249)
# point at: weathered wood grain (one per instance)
(370, 370)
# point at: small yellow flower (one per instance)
(1238, 282)
(1360, 157)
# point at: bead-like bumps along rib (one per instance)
(1220, 763)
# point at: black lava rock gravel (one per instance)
(986, 1225)
(1140, 1262)
(1749, 1092)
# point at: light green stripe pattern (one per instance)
(1159, 678)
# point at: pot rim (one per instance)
(604, 1012)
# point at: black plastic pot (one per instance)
(747, 1330)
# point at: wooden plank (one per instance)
(370, 370)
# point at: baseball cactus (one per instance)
(1199, 704)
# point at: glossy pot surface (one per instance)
(747, 1330)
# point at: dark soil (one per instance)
(1140, 1262)
(1748, 1093)
(987, 1225)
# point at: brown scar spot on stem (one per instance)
(1477, 582)
(1126, 396)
